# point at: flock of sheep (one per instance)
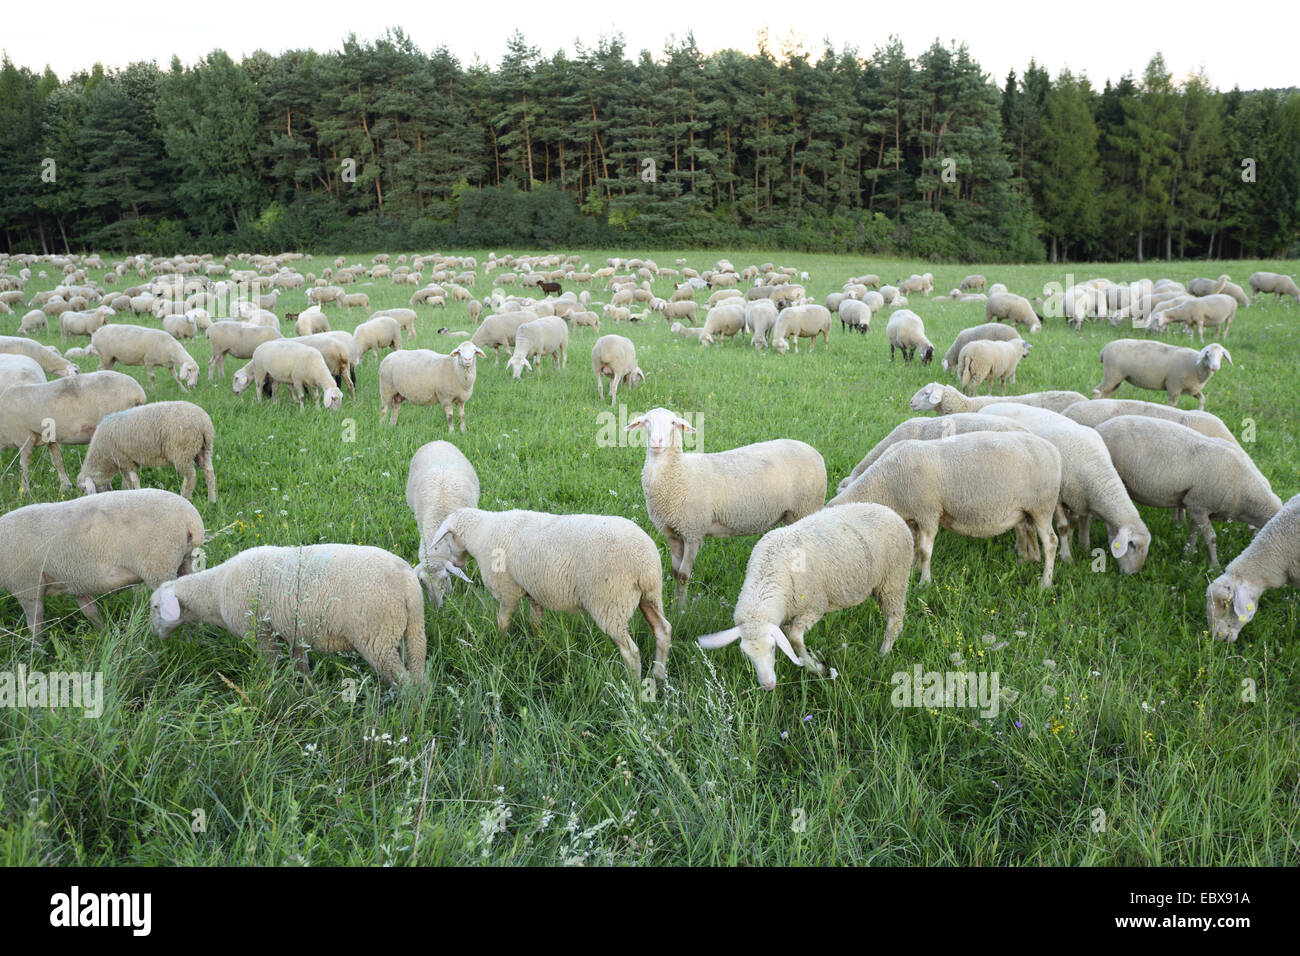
(1042, 465)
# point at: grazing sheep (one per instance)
(1199, 287)
(136, 345)
(1095, 411)
(49, 359)
(727, 320)
(724, 494)
(356, 300)
(92, 546)
(85, 323)
(700, 335)
(1271, 560)
(310, 322)
(994, 331)
(584, 320)
(1211, 310)
(828, 561)
(1265, 283)
(179, 434)
(499, 331)
(326, 597)
(600, 565)
(944, 399)
(1008, 305)
(906, 332)
(680, 311)
(855, 314)
(284, 360)
(760, 319)
(1167, 465)
(235, 338)
(986, 359)
(339, 351)
(535, 340)
(19, 370)
(1153, 365)
(930, 429)
(801, 321)
(381, 332)
(405, 318)
(978, 484)
(973, 283)
(424, 377)
(35, 320)
(440, 480)
(615, 356)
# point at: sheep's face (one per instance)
(241, 381)
(189, 374)
(69, 369)
(333, 398)
(781, 345)
(760, 643)
(465, 353)
(1129, 547)
(1229, 607)
(164, 611)
(662, 429)
(928, 398)
(517, 365)
(927, 354)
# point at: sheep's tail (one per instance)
(415, 636)
(963, 370)
(1223, 284)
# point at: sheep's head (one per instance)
(759, 642)
(662, 428)
(1212, 356)
(69, 369)
(517, 365)
(1129, 546)
(1229, 606)
(241, 380)
(928, 398)
(635, 377)
(188, 374)
(164, 610)
(333, 398)
(927, 352)
(465, 353)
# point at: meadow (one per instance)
(1125, 734)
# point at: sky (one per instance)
(1103, 39)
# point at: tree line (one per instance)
(380, 145)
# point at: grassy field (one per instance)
(1127, 736)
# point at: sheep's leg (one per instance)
(132, 479)
(1064, 527)
(1047, 537)
(535, 616)
(1200, 401)
(600, 386)
(925, 550)
(461, 406)
(298, 651)
(34, 608)
(209, 475)
(630, 652)
(654, 615)
(386, 661)
(509, 601)
(893, 604)
(191, 479)
(1201, 523)
(57, 454)
(397, 407)
(798, 627)
(1085, 531)
(88, 608)
(212, 364)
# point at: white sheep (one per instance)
(284, 360)
(19, 370)
(310, 321)
(380, 332)
(760, 319)
(339, 351)
(152, 348)
(1275, 284)
(828, 561)
(239, 339)
(614, 356)
(179, 434)
(49, 359)
(742, 491)
(725, 320)
(326, 597)
(1016, 308)
(1153, 365)
(424, 377)
(405, 318)
(1095, 411)
(1271, 560)
(84, 323)
(440, 480)
(978, 484)
(537, 339)
(801, 321)
(985, 359)
(601, 565)
(499, 331)
(34, 321)
(906, 332)
(92, 546)
(995, 331)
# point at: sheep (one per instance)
(405, 318)
(1090, 485)
(618, 313)
(310, 321)
(136, 345)
(439, 481)
(19, 370)
(1271, 560)
(326, 597)
(424, 377)
(727, 320)
(584, 320)
(601, 565)
(978, 484)
(284, 360)
(92, 546)
(537, 339)
(1167, 465)
(986, 359)
(356, 300)
(49, 359)
(760, 319)
(151, 436)
(1264, 283)
(1007, 305)
(83, 323)
(801, 321)
(339, 351)
(929, 429)
(906, 332)
(994, 331)
(741, 491)
(63, 412)
(33, 321)
(381, 332)
(1200, 287)
(499, 331)
(235, 338)
(700, 335)
(1212, 310)
(1156, 366)
(178, 326)
(855, 314)
(974, 283)
(680, 310)
(944, 399)
(1092, 413)
(828, 561)
(615, 356)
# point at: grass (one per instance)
(1132, 737)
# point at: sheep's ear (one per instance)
(1225, 354)
(1243, 604)
(683, 424)
(479, 351)
(720, 639)
(936, 394)
(457, 572)
(1120, 544)
(638, 422)
(444, 529)
(169, 609)
(783, 642)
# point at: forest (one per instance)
(381, 145)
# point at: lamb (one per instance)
(92, 546)
(601, 565)
(83, 323)
(356, 300)
(537, 339)
(33, 321)
(994, 331)
(929, 429)
(49, 359)
(424, 377)
(760, 318)
(725, 320)
(742, 491)
(235, 338)
(831, 560)
(801, 321)
(1264, 283)
(179, 327)
(1154, 365)
(700, 335)
(19, 370)
(906, 332)
(979, 484)
(1271, 560)
(381, 332)
(1016, 308)
(944, 399)
(1090, 485)
(284, 360)
(615, 356)
(326, 597)
(439, 481)
(1199, 287)
(855, 314)
(338, 349)
(985, 359)
(1208, 310)
(136, 345)
(973, 283)
(63, 412)
(179, 434)
(680, 310)
(618, 313)
(499, 331)
(405, 318)
(1093, 413)
(1167, 465)
(584, 320)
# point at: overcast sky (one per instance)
(1117, 36)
